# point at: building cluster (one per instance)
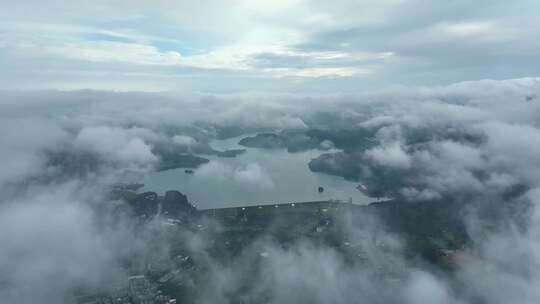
(142, 291)
(138, 291)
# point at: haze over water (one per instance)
(258, 176)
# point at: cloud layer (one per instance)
(473, 142)
(292, 46)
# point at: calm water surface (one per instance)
(255, 177)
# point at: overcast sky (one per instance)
(264, 45)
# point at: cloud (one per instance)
(391, 155)
(23, 149)
(425, 288)
(514, 146)
(507, 260)
(317, 72)
(297, 45)
(118, 144)
(253, 173)
(115, 52)
(184, 140)
(307, 272)
(472, 142)
(250, 174)
(52, 245)
(477, 29)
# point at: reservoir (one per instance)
(258, 176)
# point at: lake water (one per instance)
(258, 176)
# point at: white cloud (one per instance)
(63, 46)
(243, 58)
(317, 72)
(115, 144)
(425, 288)
(413, 194)
(469, 28)
(515, 147)
(250, 174)
(184, 140)
(390, 155)
(460, 155)
(424, 129)
(115, 52)
(53, 232)
(255, 174)
(23, 150)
